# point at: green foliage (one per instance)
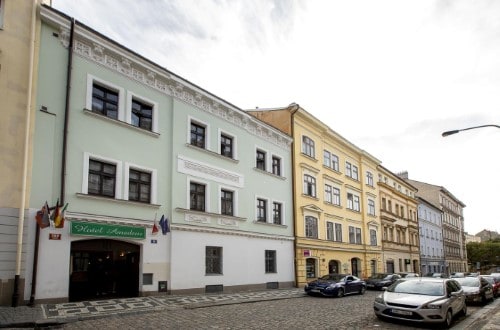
(487, 253)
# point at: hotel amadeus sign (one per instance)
(106, 230)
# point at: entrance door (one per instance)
(355, 266)
(333, 267)
(102, 268)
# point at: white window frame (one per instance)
(353, 204)
(121, 94)
(282, 168)
(2, 10)
(371, 207)
(153, 104)
(304, 148)
(201, 123)
(283, 213)
(369, 178)
(235, 199)
(266, 159)
(154, 180)
(316, 225)
(188, 193)
(268, 214)
(232, 136)
(328, 194)
(335, 196)
(85, 175)
(305, 186)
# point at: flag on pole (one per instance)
(56, 213)
(59, 219)
(155, 227)
(165, 227)
(42, 216)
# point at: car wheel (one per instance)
(362, 290)
(448, 319)
(463, 312)
(340, 293)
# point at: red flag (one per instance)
(59, 218)
(155, 227)
(42, 216)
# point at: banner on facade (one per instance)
(106, 230)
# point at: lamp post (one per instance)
(455, 131)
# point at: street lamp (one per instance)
(465, 129)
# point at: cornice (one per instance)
(104, 52)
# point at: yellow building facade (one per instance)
(336, 198)
(398, 214)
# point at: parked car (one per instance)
(381, 280)
(457, 275)
(477, 289)
(495, 283)
(422, 300)
(436, 275)
(336, 285)
(408, 275)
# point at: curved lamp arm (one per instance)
(465, 129)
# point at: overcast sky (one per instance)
(389, 76)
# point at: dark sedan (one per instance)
(381, 280)
(335, 285)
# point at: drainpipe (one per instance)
(63, 158)
(20, 224)
(292, 112)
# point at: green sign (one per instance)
(106, 230)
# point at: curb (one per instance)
(481, 318)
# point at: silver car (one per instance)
(422, 300)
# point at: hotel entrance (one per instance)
(103, 268)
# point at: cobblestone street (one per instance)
(304, 312)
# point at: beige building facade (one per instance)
(336, 198)
(398, 213)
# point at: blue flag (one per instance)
(165, 227)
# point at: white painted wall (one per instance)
(243, 260)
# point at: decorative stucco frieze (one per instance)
(202, 170)
(105, 55)
(189, 217)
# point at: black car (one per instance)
(381, 280)
(335, 285)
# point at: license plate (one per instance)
(400, 312)
(315, 290)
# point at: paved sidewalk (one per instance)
(47, 315)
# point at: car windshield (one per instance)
(382, 276)
(333, 277)
(468, 281)
(418, 287)
(490, 279)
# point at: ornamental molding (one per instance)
(95, 48)
(202, 170)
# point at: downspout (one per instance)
(292, 112)
(20, 224)
(63, 157)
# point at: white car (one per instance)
(422, 300)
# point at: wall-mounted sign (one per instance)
(55, 236)
(307, 253)
(154, 241)
(106, 230)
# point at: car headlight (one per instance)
(380, 299)
(433, 305)
(475, 292)
(331, 286)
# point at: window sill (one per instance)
(121, 123)
(115, 200)
(269, 224)
(212, 153)
(309, 157)
(218, 215)
(310, 197)
(269, 173)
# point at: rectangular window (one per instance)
(371, 207)
(142, 115)
(104, 101)
(336, 196)
(198, 135)
(352, 202)
(261, 210)
(226, 146)
(226, 202)
(335, 162)
(330, 231)
(369, 179)
(102, 178)
(2, 10)
(348, 169)
(309, 185)
(260, 160)
(308, 146)
(328, 194)
(139, 187)
(338, 232)
(277, 213)
(213, 260)
(327, 158)
(373, 237)
(270, 257)
(355, 174)
(311, 227)
(276, 166)
(197, 197)
(354, 235)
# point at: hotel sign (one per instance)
(106, 230)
